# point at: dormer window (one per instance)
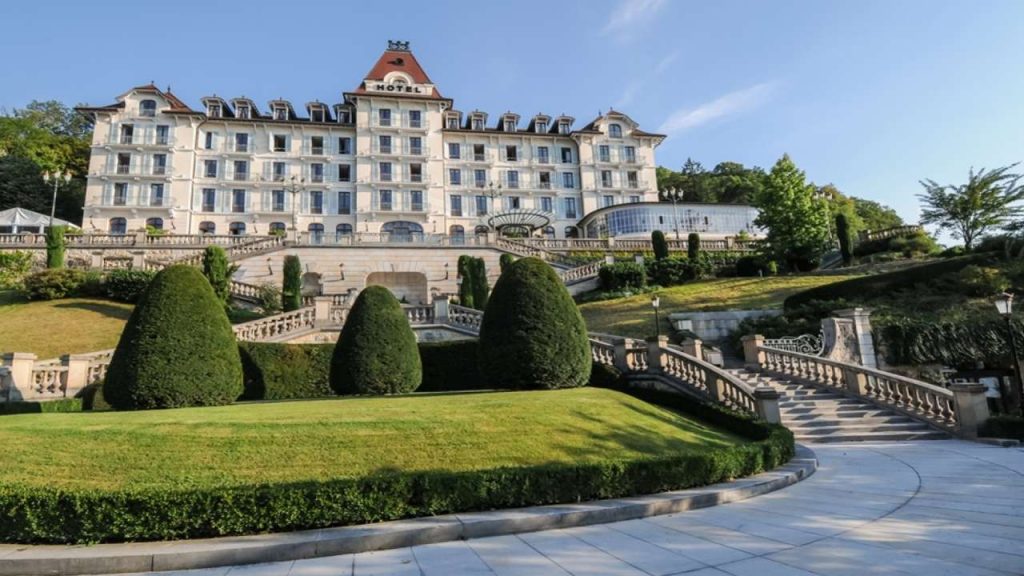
(242, 111)
(280, 113)
(510, 125)
(542, 126)
(213, 110)
(317, 114)
(147, 108)
(563, 127)
(614, 131)
(452, 123)
(478, 123)
(344, 116)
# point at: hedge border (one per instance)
(57, 516)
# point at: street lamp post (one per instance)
(493, 192)
(57, 177)
(674, 195)
(1004, 304)
(296, 187)
(656, 303)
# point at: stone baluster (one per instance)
(655, 346)
(971, 407)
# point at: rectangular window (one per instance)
(316, 202)
(209, 141)
(344, 145)
(511, 153)
(481, 205)
(563, 127)
(156, 194)
(606, 178)
(163, 135)
(238, 200)
(456, 201)
(543, 156)
(384, 116)
(512, 178)
(385, 200)
(277, 200)
(478, 152)
(384, 168)
(416, 200)
(241, 142)
(316, 172)
(545, 180)
(454, 177)
(415, 119)
(478, 123)
(479, 178)
(280, 143)
(511, 202)
(604, 153)
(542, 126)
(344, 172)
(453, 123)
(510, 125)
(632, 179)
(210, 200)
(416, 146)
(630, 153)
(317, 115)
(280, 171)
(384, 144)
(243, 111)
(344, 116)
(607, 201)
(127, 133)
(280, 113)
(120, 194)
(566, 155)
(570, 208)
(546, 204)
(415, 172)
(316, 145)
(124, 162)
(210, 168)
(344, 202)
(454, 150)
(568, 180)
(159, 164)
(241, 170)
(634, 199)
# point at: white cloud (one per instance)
(628, 95)
(665, 62)
(726, 105)
(631, 12)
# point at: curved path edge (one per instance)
(37, 560)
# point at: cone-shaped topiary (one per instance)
(693, 246)
(481, 289)
(532, 334)
(55, 247)
(505, 261)
(218, 271)
(466, 292)
(376, 352)
(291, 289)
(177, 348)
(659, 245)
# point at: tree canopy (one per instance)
(728, 182)
(990, 199)
(795, 216)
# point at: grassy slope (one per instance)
(634, 317)
(310, 440)
(51, 328)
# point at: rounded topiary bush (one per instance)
(177, 348)
(376, 352)
(532, 334)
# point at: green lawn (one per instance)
(51, 328)
(335, 438)
(634, 317)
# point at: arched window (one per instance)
(147, 108)
(401, 231)
(571, 232)
(342, 230)
(549, 232)
(614, 131)
(155, 223)
(457, 234)
(207, 228)
(316, 233)
(481, 230)
(118, 226)
(236, 228)
(277, 229)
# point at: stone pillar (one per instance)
(441, 309)
(78, 373)
(322, 310)
(96, 259)
(619, 361)
(711, 379)
(971, 407)
(856, 382)
(693, 347)
(655, 344)
(19, 383)
(862, 329)
(140, 237)
(609, 259)
(752, 357)
(767, 399)
(611, 242)
(639, 259)
(138, 259)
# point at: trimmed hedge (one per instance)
(127, 285)
(693, 246)
(48, 407)
(623, 275)
(53, 283)
(49, 515)
(55, 247)
(177, 348)
(273, 371)
(854, 288)
(659, 245)
(450, 366)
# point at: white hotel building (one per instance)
(394, 156)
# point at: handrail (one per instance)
(581, 273)
(921, 400)
(272, 327)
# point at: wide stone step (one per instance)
(858, 428)
(897, 436)
(825, 421)
(835, 410)
(806, 395)
(811, 402)
(848, 415)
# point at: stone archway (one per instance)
(412, 286)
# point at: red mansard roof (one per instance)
(400, 61)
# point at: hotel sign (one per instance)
(398, 88)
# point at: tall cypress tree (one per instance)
(218, 272)
(291, 289)
(466, 292)
(845, 238)
(55, 247)
(659, 244)
(481, 288)
(693, 246)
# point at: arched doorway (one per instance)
(457, 234)
(402, 231)
(408, 287)
(316, 233)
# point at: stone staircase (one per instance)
(817, 415)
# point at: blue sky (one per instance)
(871, 95)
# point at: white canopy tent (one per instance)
(15, 220)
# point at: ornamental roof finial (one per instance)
(398, 45)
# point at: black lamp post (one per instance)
(1004, 304)
(656, 303)
(58, 178)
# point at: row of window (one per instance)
(511, 179)
(280, 171)
(121, 194)
(159, 135)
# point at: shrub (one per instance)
(218, 272)
(285, 371)
(693, 246)
(1003, 426)
(659, 244)
(981, 281)
(53, 283)
(177, 348)
(93, 284)
(48, 407)
(961, 342)
(269, 298)
(604, 376)
(674, 271)
(845, 238)
(291, 288)
(505, 260)
(376, 352)
(127, 285)
(92, 398)
(449, 366)
(481, 288)
(466, 291)
(532, 334)
(14, 266)
(622, 275)
(55, 247)
(751, 266)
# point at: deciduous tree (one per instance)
(990, 199)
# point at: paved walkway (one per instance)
(927, 507)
